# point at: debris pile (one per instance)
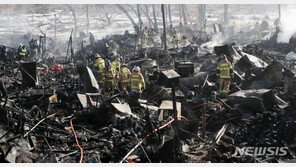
(59, 113)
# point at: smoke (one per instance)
(288, 24)
(217, 39)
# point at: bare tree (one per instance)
(201, 13)
(188, 16)
(108, 13)
(146, 13)
(139, 16)
(279, 7)
(87, 19)
(183, 13)
(164, 27)
(128, 16)
(169, 12)
(75, 20)
(180, 12)
(154, 16)
(225, 13)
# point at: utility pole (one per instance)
(164, 28)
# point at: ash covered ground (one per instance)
(62, 116)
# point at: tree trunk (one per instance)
(164, 28)
(225, 13)
(170, 16)
(139, 16)
(183, 13)
(55, 30)
(154, 16)
(87, 19)
(180, 12)
(75, 21)
(187, 14)
(147, 15)
(201, 14)
(128, 16)
(279, 6)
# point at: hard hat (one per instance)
(222, 56)
(136, 68)
(97, 56)
(124, 65)
(21, 45)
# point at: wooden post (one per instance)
(164, 28)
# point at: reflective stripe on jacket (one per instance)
(224, 67)
(137, 81)
(23, 52)
(109, 75)
(100, 64)
(124, 75)
(116, 65)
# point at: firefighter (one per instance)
(257, 31)
(176, 38)
(22, 51)
(100, 66)
(124, 76)
(225, 73)
(180, 24)
(137, 84)
(109, 79)
(58, 69)
(151, 35)
(116, 65)
(145, 34)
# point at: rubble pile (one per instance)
(62, 116)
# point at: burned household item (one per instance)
(29, 74)
(185, 69)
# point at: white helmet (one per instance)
(136, 68)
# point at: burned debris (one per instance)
(150, 95)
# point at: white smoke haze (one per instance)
(217, 40)
(288, 23)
